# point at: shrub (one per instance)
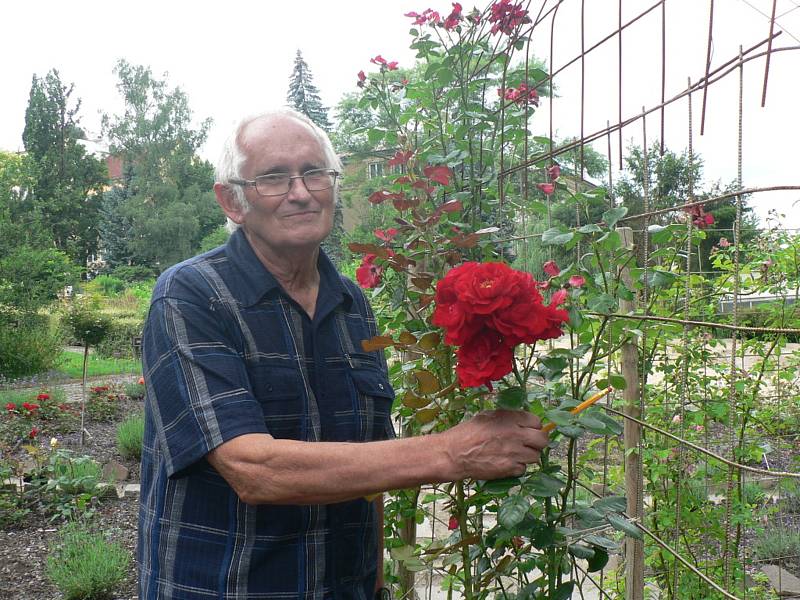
(135, 389)
(130, 435)
(14, 506)
(131, 273)
(29, 414)
(74, 475)
(84, 565)
(776, 543)
(102, 403)
(85, 323)
(119, 341)
(108, 285)
(28, 346)
(64, 485)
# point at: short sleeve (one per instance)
(199, 394)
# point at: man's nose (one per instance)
(298, 189)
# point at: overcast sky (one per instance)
(235, 57)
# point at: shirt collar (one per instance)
(256, 281)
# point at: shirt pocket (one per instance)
(279, 391)
(374, 398)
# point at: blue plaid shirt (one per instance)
(227, 352)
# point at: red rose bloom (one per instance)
(453, 18)
(577, 281)
(551, 268)
(546, 188)
(485, 358)
(43, 397)
(369, 274)
(506, 17)
(487, 309)
(10, 407)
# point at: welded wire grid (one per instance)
(769, 484)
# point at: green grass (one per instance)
(71, 364)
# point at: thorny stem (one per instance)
(462, 525)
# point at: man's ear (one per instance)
(227, 201)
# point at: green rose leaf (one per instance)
(544, 486)
(598, 561)
(615, 214)
(555, 237)
(656, 278)
(511, 398)
(560, 417)
(610, 504)
(575, 318)
(617, 382)
(580, 551)
(622, 524)
(603, 303)
(564, 591)
(589, 515)
(528, 592)
(662, 235)
(602, 542)
(571, 431)
(500, 486)
(592, 424)
(512, 511)
(612, 426)
(554, 363)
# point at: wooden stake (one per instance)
(634, 549)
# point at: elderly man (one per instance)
(267, 426)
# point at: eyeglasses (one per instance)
(278, 184)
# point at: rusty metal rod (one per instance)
(742, 192)
(618, 126)
(769, 54)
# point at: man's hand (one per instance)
(495, 444)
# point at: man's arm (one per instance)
(265, 470)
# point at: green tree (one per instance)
(352, 123)
(90, 327)
(671, 180)
(164, 207)
(303, 95)
(68, 181)
(32, 272)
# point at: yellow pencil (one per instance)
(582, 406)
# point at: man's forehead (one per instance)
(277, 127)
(277, 139)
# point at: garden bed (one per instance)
(25, 545)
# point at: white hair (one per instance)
(232, 158)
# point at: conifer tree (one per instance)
(303, 95)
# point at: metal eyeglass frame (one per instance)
(253, 182)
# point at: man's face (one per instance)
(298, 220)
